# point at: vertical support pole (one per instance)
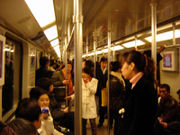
(114, 55)
(69, 32)
(154, 32)
(78, 21)
(94, 47)
(1, 103)
(86, 45)
(174, 34)
(109, 60)
(135, 37)
(65, 62)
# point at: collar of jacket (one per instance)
(119, 76)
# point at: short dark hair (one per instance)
(115, 66)
(45, 83)
(22, 126)
(28, 109)
(166, 86)
(89, 68)
(43, 61)
(89, 64)
(103, 59)
(36, 92)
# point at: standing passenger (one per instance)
(101, 75)
(43, 71)
(89, 87)
(116, 95)
(139, 112)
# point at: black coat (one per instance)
(116, 93)
(43, 72)
(102, 79)
(140, 109)
(117, 100)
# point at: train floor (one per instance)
(100, 131)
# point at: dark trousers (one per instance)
(102, 112)
(93, 126)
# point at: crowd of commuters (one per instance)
(137, 107)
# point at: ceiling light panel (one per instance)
(42, 10)
(51, 33)
(54, 42)
(177, 33)
(56, 48)
(115, 48)
(133, 43)
(164, 36)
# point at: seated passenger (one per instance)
(168, 113)
(23, 127)
(6, 130)
(29, 110)
(61, 116)
(42, 98)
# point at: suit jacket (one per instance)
(140, 109)
(102, 79)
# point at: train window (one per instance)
(11, 92)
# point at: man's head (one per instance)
(164, 90)
(29, 110)
(44, 62)
(103, 62)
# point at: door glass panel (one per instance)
(11, 88)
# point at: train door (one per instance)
(12, 90)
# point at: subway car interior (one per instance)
(78, 30)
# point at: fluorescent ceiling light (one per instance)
(84, 55)
(56, 48)
(51, 33)
(104, 50)
(43, 11)
(132, 43)
(54, 42)
(177, 33)
(115, 48)
(99, 52)
(165, 36)
(91, 54)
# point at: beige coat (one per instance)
(88, 99)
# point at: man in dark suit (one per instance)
(101, 75)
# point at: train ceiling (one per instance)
(127, 17)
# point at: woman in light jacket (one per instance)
(42, 98)
(89, 88)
